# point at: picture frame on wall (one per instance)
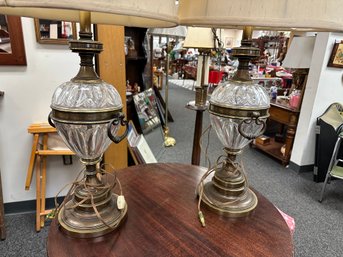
(229, 42)
(12, 48)
(336, 58)
(54, 32)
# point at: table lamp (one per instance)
(298, 58)
(87, 111)
(239, 109)
(176, 32)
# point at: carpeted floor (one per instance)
(318, 226)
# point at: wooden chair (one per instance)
(38, 163)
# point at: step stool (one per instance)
(334, 169)
(38, 158)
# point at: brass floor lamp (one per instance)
(203, 40)
(175, 33)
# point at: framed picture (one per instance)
(336, 58)
(145, 104)
(138, 147)
(228, 42)
(12, 48)
(132, 135)
(54, 32)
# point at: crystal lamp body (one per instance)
(238, 112)
(241, 98)
(87, 139)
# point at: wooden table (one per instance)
(288, 116)
(162, 221)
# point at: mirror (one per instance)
(12, 49)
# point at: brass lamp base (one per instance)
(228, 193)
(168, 141)
(82, 217)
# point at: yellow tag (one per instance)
(121, 202)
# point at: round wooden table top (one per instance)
(162, 221)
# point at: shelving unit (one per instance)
(135, 63)
(283, 114)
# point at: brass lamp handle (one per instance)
(254, 118)
(115, 121)
(52, 124)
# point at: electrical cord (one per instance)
(121, 204)
(221, 164)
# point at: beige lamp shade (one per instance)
(299, 54)
(179, 31)
(199, 38)
(147, 13)
(317, 15)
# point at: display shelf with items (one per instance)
(281, 129)
(135, 62)
(135, 56)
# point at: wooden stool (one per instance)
(38, 156)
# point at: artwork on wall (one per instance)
(228, 42)
(145, 104)
(138, 147)
(336, 58)
(12, 49)
(54, 32)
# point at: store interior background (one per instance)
(28, 90)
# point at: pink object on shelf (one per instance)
(289, 221)
(294, 100)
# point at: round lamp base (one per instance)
(231, 206)
(86, 224)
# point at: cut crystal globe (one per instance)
(88, 141)
(235, 95)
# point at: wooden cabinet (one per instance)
(288, 117)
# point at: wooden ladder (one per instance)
(38, 162)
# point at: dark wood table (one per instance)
(162, 221)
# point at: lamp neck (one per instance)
(245, 53)
(87, 48)
(85, 26)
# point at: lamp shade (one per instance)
(148, 13)
(199, 38)
(179, 31)
(317, 15)
(299, 54)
